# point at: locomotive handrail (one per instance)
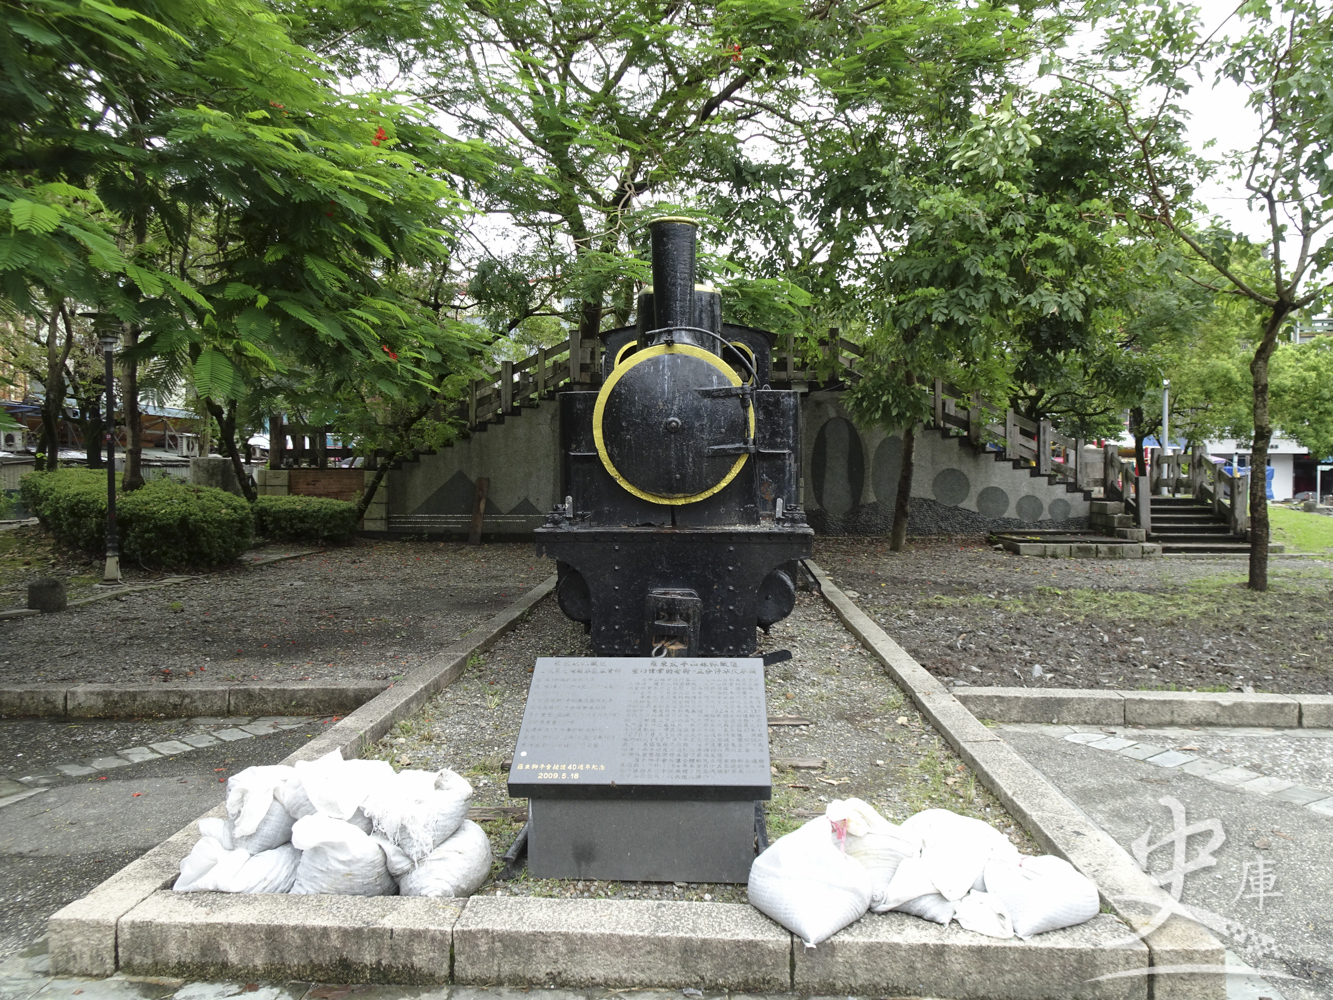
(668, 330)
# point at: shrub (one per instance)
(71, 504)
(169, 523)
(304, 519)
(163, 523)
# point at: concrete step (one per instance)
(1174, 538)
(1182, 530)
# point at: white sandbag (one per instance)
(456, 867)
(872, 840)
(219, 829)
(210, 867)
(256, 821)
(337, 787)
(805, 883)
(1042, 894)
(985, 913)
(395, 858)
(338, 858)
(931, 906)
(955, 849)
(419, 810)
(294, 799)
(911, 880)
(250, 796)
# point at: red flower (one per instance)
(736, 52)
(379, 134)
(385, 349)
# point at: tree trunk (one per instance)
(1263, 436)
(53, 405)
(392, 456)
(902, 505)
(1140, 433)
(133, 476)
(590, 325)
(227, 431)
(92, 427)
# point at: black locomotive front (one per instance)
(681, 526)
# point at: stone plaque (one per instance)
(639, 727)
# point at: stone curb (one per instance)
(83, 936)
(181, 700)
(1073, 706)
(1059, 826)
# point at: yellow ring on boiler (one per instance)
(600, 409)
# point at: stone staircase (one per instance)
(1180, 525)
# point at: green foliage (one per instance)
(169, 523)
(163, 523)
(304, 519)
(71, 504)
(1303, 394)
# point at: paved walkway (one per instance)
(1231, 820)
(79, 799)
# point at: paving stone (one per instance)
(1265, 785)
(1172, 758)
(169, 747)
(285, 720)
(105, 763)
(1301, 795)
(1112, 743)
(75, 770)
(1231, 775)
(206, 720)
(1085, 737)
(232, 734)
(260, 728)
(1324, 807)
(137, 755)
(200, 740)
(1141, 751)
(1202, 767)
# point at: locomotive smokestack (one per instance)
(673, 241)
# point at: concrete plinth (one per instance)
(47, 595)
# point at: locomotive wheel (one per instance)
(776, 598)
(653, 430)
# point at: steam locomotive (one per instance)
(681, 525)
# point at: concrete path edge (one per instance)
(83, 938)
(1175, 941)
(1075, 706)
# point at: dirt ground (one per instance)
(972, 615)
(371, 610)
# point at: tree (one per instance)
(1282, 55)
(1302, 389)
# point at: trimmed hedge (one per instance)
(304, 519)
(163, 523)
(170, 523)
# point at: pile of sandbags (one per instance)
(350, 827)
(936, 865)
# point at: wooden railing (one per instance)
(1229, 494)
(1120, 481)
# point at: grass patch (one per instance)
(1300, 531)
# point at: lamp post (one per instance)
(1166, 429)
(111, 573)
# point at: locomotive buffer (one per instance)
(644, 768)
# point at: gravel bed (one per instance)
(370, 610)
(873, 743)
(975, 616)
